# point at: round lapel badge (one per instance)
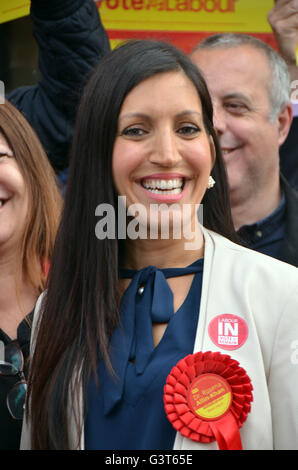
(228, 331)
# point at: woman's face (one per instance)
(13, 199)
(162, 153)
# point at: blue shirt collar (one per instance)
(265, 227)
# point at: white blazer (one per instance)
(263, 292)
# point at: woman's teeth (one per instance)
(158, 186)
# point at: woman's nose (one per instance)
(166, 150)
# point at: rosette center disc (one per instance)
(209, 396)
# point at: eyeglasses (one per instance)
(13, 365)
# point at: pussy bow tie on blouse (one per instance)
(148, 299)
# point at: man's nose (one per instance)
(219, 119)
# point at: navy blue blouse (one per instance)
(127, 412)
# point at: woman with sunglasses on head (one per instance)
(30, 205)
(147, 341)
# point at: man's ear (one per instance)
(284, 119)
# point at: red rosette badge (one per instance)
(207, 397)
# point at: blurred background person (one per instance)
(30, 206)
(250, 87)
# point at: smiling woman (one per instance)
(29, 215)
(162, 152)
(14, 200)
(32, 199)
(120, 313)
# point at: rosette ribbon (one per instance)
(207, 397)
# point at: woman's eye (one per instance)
(188, 130)
(133, 132)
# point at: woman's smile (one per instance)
(167, 187)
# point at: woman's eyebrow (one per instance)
(134, 115)
(146, 116)
(188, 112)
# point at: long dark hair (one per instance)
(81, 305)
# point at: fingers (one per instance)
(282, 10)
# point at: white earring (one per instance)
(211, 182)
